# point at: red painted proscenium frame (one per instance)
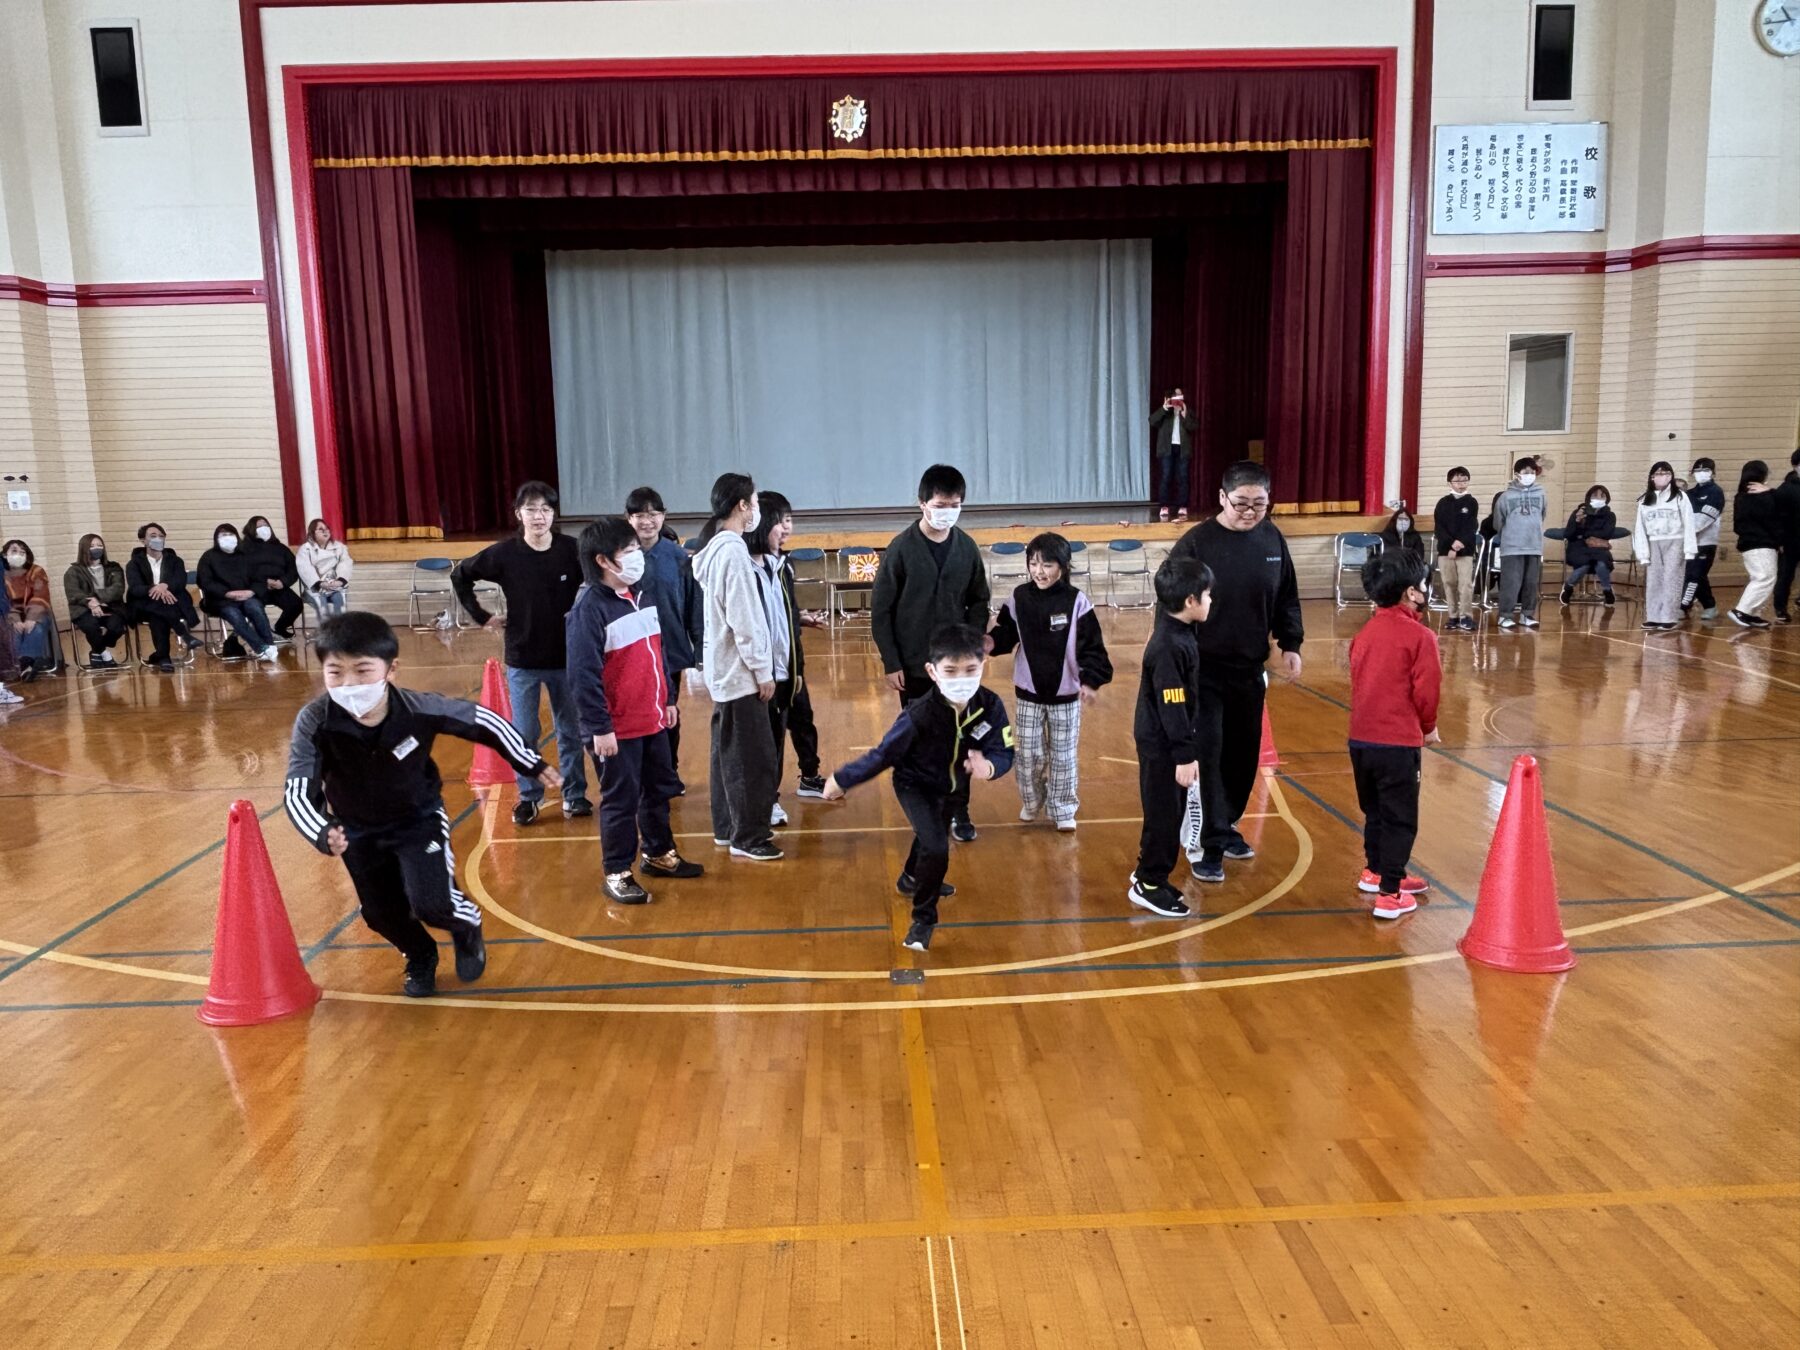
(297, 79)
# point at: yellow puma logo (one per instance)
(1174, 696)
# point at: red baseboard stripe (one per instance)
(97, 295)
(1694, 248)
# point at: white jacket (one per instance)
(1671, 517)
(738, 653)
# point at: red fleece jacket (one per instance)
(1394, 680)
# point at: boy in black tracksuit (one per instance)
(940, 741)
(1167, 731)
(361, 786)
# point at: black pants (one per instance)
(1695, 585)
(674, 732)
(744, 772)
(405, 882)
(929, 815)
(1228, 720)
(1387, 789)
(1784, 576)
(805, 732)
(781, 707)
(917, 685)
(100, 630)
(1164, 802)
(287, 605)
(635, 787)
(162, 619)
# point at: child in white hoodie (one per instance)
(1663, 540)
(740, 675)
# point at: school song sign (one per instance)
(1520, 178)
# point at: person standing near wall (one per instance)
(1172, 433)
(1757, 516)
(669, 582)
(1787, 497)
(1706, 499)
(538, 570)
(1662, 537)
(1255, 596)
(1519, 536)
(1458, 541)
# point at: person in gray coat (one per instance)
(1519, 536)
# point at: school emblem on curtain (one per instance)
(849, 118)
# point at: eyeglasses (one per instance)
(1251, 508)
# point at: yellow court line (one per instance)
(1647, 646)
(998, 1224)
(477, 889)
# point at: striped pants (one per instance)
(1047, 735)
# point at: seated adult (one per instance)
(156, 582)
(28, 610)
(276, 577)
(324, 565)
(228, 591)
(94, 586)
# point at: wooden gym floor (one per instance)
(733, 1118)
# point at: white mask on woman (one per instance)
(15, 560)
(755, 517)
(1703, 475)
(228, 542)
(359, 700)
(264, 533)
(960, 689)
(631, 567)
(1596, 503)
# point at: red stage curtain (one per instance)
(368, 267)
(1316, 355)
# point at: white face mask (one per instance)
(228, 542)
(1703, 475)
(155, 545)
(959, 690)
(359, 700)
(263, 532)
(1596, 503)
(15, 560)
(755, 517)
(943, 517)
(631, 567)
(1458, 491)
(1527, 479)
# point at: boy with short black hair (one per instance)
(1457, 519)
(1166, 731)
(931, 575)
(1519, 541)
(941, 740)
(1394, 680)
(361, 786)
(620, 685)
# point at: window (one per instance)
(1552, 56)
(1537, 381)
(118, 78)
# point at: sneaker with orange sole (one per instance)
(1393, 906)
(1370, 883)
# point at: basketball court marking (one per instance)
(1736, 669)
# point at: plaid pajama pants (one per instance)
(1046, 737)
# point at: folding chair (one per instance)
(810, 569)
(430, 581)
(1080, 569)
(1127, 558)
(1006, 564)
(1351, 550)
(857, 568)
(71, 654)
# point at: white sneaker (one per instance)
(269, 654)
(777, 816)
(1066, 826)
(1027, 814)
(7, 696)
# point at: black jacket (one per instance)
(1585, 523)
(1757, 517)
(913, 598)
(1788, 495)
(270, 558)
(1164, 723)
(221, 572)
(1412, 542)
(380, 781)
(539, 588)
(137, 573)
(1162, 432)
(1457, 518)
(1255, 593)
(1064, 648)
(926, 745)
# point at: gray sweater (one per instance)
(738, 655)
(1519, 520)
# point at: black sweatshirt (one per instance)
(1457, 518)
(915, 596)
(1164, 725)
(1757, 516)
(1060, 632)
(380, 781)
(221, 572)
(270, 559)
(539, 589)
(1254, 593)
(930, 739)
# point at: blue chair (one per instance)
(1006, 562)
(1127, 558)
(1079, 566)
(810, 570)
(430, 581)
(1351, 550)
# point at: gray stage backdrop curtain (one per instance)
(836, 374)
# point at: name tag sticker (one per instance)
(1058, 622)
(406, 747)
(979, 730)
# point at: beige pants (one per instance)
(1458, 572)
(1760, 564)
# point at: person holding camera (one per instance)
(1172, 435)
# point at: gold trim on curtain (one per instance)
(1318, 508)
(394, 532)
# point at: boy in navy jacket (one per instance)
(625, 704)
(1394, 680)
(1168, 741)
(941, 740)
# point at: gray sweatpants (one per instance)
(1664, 572)
(1521, 577)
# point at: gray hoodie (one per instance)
(738, 654)
(1519, 520)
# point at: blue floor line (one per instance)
(1338, 815)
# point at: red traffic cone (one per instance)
(257, 973)
(487, 769)
(1268, 757)
(1516, 925)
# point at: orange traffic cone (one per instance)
(1268, 757)
(1516, 925)
(257, 973)
(487, 769)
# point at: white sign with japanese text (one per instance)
(1520, 178)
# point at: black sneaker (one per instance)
(1568, 594)
(193, 643)
(1781, 616)
(526, 812)
(918, 937)
(1743, 620)
(581, 806)
(1211, 866)
(233, 650)
(758, 853)
(1239, 851)
(907, 885)
(284, 637)
(622, 889)
(421, 976)
(811, 785)
(164, 666)
(962, 829)
(1165, 901)
(671, 864)
(1607, 599)
(471, 952)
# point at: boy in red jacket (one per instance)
(1394, 678)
